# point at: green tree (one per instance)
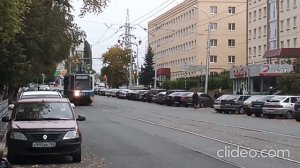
(116, 60)
(87, 55)
(147, 72)
(289, 83)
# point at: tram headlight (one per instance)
(76, 93)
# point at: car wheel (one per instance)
(218, 111)
(77, 157)
(248, 113)
(226, 112)
(257, 115)
(201, 105)
(269, 116)
(297, 119)
(289, 115)
(241, 110)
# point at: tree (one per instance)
(289, 83)
(147, 72)
(116, 60)
(87, 55)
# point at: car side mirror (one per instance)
(5, 119)
(11, 106)
(81, 118)
(72, 105)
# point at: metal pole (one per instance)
(137, 65)
(207, 57)
(155, 71)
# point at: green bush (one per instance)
(289, 83)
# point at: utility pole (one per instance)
(128, 44)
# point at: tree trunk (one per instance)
(11, 94)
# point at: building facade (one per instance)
(180, 36)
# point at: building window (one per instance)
(265, 12)
(231, 10)
(213, 26)
(281, 26)
(265, 47)
(250, 51)
(295, 3)
(213, 10)
(288, 24)
(213, 59)
(254, 51)
(295, 42)
(231, 43)
(281, 5)
(295, 22)
(259, 14)
(231, 59)
(213, 42)
(231, 26)
(259, 50)
(254, 33)
(254, 15)
(250, 34)
(282, 44)
(265, 30)
(288, 43)
(250, 16)
(288, 4)
(259, 32)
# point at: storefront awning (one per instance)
(283, 53)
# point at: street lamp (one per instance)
(208, 48)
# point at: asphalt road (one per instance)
(128, 134)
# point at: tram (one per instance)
(79, 88)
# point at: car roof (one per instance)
(32, 94)
(41, 100)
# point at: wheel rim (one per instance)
(289, 115)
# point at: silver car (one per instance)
(280, 105)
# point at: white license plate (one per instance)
(43, 144)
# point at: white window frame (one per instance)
(213, 59)
(231, 10)
(213, 42)
(231, 43)
(231, 59)
(213, 9)
(231, 26)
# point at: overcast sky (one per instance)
(103, 30)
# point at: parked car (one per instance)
(217, 103)
(247, 103)
(142, 95)
(233, 103)
(108, 92)
(113, 93)
(45, 126)
(280, 105)
(153, 92)
(257, 105)
(204, 100)
(177, 99)
(102, 91)
(169, 99)
(122, 93)
(160, 97)
(297, 110)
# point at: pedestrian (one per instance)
(195, 99)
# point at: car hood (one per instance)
(58, 124)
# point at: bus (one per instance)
(79, 88)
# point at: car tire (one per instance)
(77, 157)
(269, 116)
(241, 110)
(201, 105)
(298, 119)
(257, 115)
(219, 111)
(226, 112)
(289, 115)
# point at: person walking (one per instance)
(195, 99)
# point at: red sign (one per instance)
(240, 73)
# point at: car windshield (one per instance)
(43, 111)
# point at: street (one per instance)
(129, 134)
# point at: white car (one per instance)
(40, 94)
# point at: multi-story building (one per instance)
(179, 37)
(272, 25)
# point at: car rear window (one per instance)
(43, 111)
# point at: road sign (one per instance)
(194, 68)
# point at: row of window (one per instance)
(187, 74)
(178, 19)
(253, 16)
(257, 33)
(257, 51)
(288, 24)
(214, 26)
(214, 10)
(288, 43)
(180, 33)
(286, 4)
(178, 63)
(214, 43)
(178, 48)
(214, 59)
(253, 1)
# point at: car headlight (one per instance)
(18, 136)
(76, 93)
(71, 135)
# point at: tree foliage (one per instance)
(147, 72)
(116, 60)
(289, 83)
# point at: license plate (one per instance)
(43, 144)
